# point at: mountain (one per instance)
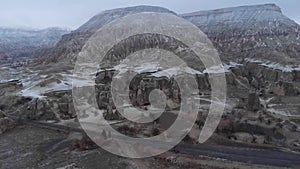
(258, 45)
(71, 44)
(259, 31)
(20, 43)
(247, 32)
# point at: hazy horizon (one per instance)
(70, 14)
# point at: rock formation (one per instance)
(71, 44)
(258, 45)
(261, 32)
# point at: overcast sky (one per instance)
(73, 13)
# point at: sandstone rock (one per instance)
(36, 109)
(254, 83)
(63, 108)
(242, 82)
(240, 71)
(230, 78)
(270, 75)
(296, 76)
(253, 102)
(203, 82)
(2, 114)
(289, 89)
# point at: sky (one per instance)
(73, 13)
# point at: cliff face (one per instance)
(71, 44)
(20, 43)
(260, 32)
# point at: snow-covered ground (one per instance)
(174, 71)
(33, 87)
(222, 68)
(274, 65)
(38, 91)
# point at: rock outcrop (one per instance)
(253, 102)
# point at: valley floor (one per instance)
(33, 147)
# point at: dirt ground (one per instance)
(31, 147)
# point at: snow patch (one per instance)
(222, 68)
(274, 65)
(175, 71)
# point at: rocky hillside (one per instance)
(261, 32)
(72, 43)
(248, 32)
(20, 43)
